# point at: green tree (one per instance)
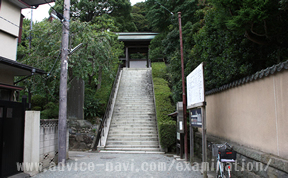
(86, 11)
(95, 61)
(234, 38)
(139, 19)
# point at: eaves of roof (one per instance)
(20, 67)
(28, 3)
(136, 36)
(258, 75)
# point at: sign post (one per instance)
(196, 105)
(180, 127)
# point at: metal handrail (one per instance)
(103, 123)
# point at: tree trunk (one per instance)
(99, 78)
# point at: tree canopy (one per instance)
(94, 62)
(234, 38)
(89, 11)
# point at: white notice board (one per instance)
(195, 87)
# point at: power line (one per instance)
(165, 8)
(48, 74)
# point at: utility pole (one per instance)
(183, 89)
(62, 121)
(31, 23)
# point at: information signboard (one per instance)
(196, 117)
(195, 88)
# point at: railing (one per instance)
(103, 124)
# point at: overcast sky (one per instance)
(42, 11)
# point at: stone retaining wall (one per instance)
(81, 134)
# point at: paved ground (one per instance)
(83, 164)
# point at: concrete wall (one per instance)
(9, 32)
(48, 147)
(40, 142)
(31, 139)
(254, 114)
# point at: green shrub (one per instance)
(159, 70)
(36, 108)
(51, 111)
(92, 105)
(166, 124)
(167, 130)
(38, 100)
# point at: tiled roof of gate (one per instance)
(258, 75)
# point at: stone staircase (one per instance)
(133, 126)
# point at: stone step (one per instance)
(130, 106)
(133, 126)
(139, 112)
(133, 135)
(143, 108)
(134, 81)
(135, 96)
(137, 87)
(124, 139)
(124, 117)
(144, 111)
(124, 121)
(141, 99)
(133, 149)
(135, 100)
(128, 103)
(135, 93)
(130, 121)
(129, 132)
(120, 122)
(139, 94)
(134, 90)
(133, 144)
(134, 103)
(119, 108)
(135, 118)
(127, 128)
(130, 114)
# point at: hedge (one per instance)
(166, 124)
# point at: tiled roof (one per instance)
(258, 75)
